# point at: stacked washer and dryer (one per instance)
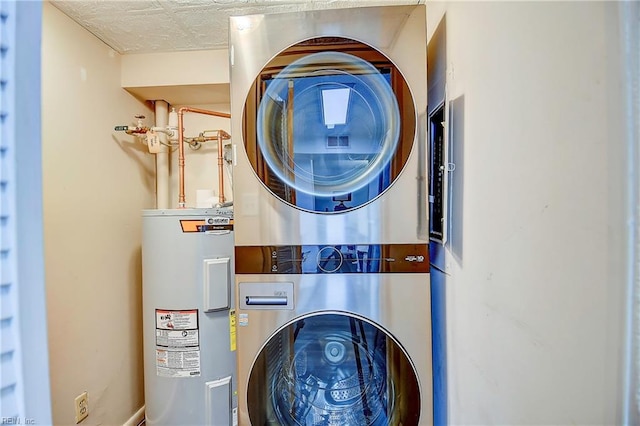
(332, 291)
(331, 227)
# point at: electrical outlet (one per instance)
(82, 407)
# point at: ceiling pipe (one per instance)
(162, 157)
(220, 169)
(181, 197)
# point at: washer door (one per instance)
(333, 369)
(329, 125)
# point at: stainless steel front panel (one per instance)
(399, 215)
(398, 304)
(347, 244)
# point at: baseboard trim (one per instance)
(136, 419)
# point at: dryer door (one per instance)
(329, 125)
(333, 369)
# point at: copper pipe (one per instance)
(137, 130)
(181, 198)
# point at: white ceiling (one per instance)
(151, 26)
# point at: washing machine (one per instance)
(331, 246)
(347, 347)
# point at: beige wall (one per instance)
(201, 166)
(96, 182)
(534, 295)
(175, 68)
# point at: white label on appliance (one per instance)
(177, 363)
(243, 320)
(235, 416)
(177, 343)
(177, 338)
(176, 320)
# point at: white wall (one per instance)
(535, 285)
(96, 182)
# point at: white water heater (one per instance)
(189, 317)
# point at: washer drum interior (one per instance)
(333, 369)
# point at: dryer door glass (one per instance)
(333, 128)
(333, 369)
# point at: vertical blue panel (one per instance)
(439, 342)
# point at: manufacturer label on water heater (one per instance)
(214, 223)
(177, 343)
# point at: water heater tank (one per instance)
(189, 317)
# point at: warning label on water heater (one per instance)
(177, 343)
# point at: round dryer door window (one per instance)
(333, 369)
(329, 125)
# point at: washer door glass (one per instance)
(333, 369)
(333, 128)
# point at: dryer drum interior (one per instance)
(333, 369)
(329, 125)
